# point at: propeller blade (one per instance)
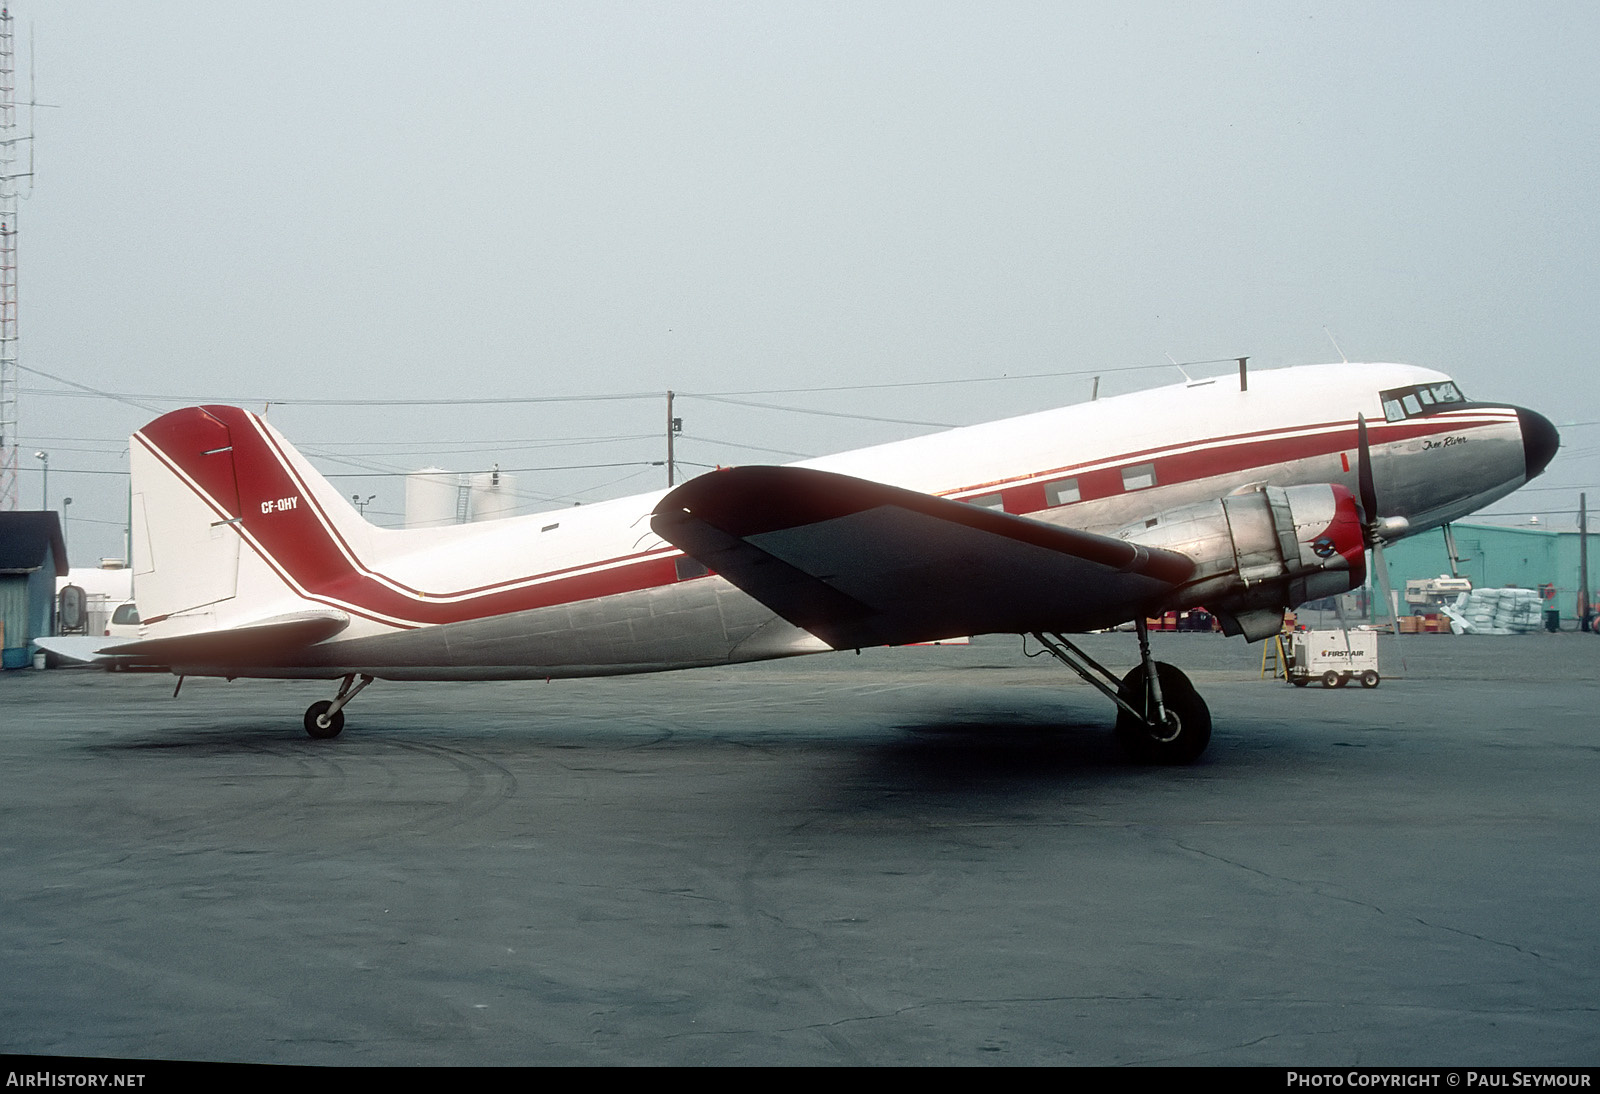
(1344, 624)
(1369, 510)
(1367, 489)
(1382, 568)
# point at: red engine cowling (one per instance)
(1262, 549)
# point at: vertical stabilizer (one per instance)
(230, 524)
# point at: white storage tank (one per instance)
(106, 586)
(432, 496)
(494, 495)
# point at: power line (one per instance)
(142, 400)
(488, 446)
(957, 380)
(821, 413)
(749, 447)
(1575, 489)
(85, 391)
(473, 401)
(502, 470)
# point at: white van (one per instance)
(124, 621)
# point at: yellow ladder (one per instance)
(1275, 652)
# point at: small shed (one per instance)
(32, 556)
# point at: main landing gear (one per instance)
(325, 718)
(1161, 719)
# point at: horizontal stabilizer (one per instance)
(858, 563)
(78, 649)
(268, 642)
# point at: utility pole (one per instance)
(1583, 562)
(674, 427)
(1450, 549)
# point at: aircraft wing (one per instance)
(858, 563)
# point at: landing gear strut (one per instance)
(1161, 719)
(325, 718)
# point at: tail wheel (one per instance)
(1187, 728)
(314, 726)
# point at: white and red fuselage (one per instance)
(232, 527)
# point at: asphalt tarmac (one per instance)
(916, 856)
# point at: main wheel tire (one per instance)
(1330, 679)
(1188, 727)
(1370, 678)
(315, 728)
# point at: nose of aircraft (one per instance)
(1539, 441)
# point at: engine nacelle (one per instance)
(1260, 550)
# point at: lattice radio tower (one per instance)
(10, 176)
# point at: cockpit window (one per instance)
(1412, 402)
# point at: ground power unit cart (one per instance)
(1334, 657)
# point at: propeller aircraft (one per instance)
(1246, 499)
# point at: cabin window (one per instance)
(1064, 492)
(1409, 402)
(1139, 477)
(988, 501)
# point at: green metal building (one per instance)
(1493, 556)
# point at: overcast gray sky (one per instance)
(339, 200)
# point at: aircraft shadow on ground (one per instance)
(996, 747)
(990, 750)
(212, 738)
(916, 750)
